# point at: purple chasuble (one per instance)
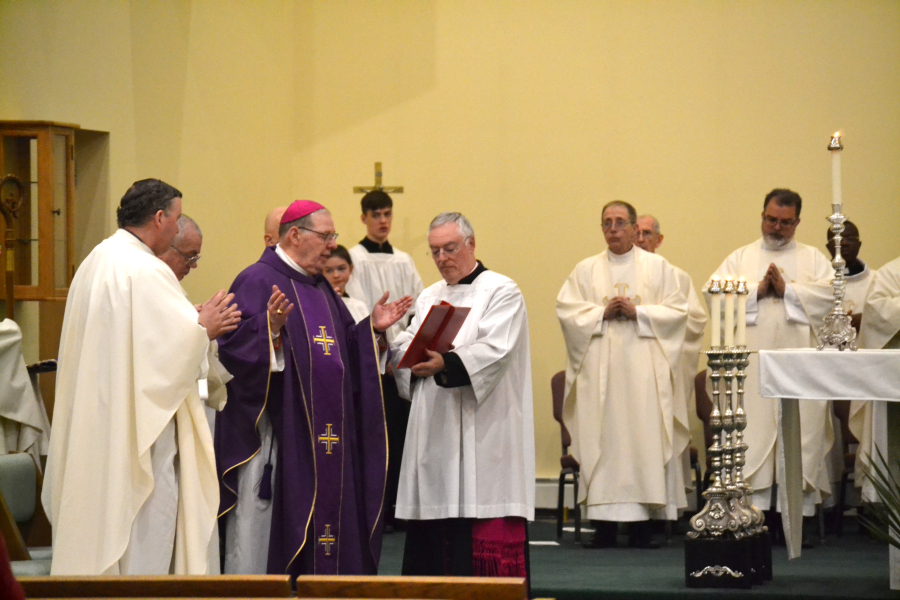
(327, 414)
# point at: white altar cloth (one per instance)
(810, 374)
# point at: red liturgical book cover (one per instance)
(436, 333)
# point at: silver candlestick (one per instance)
(837, 331)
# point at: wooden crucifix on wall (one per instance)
(361, 189)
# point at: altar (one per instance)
(813, 375)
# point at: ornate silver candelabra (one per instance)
(837, 332)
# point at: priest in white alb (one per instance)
(623, 314)
(467, 478)
(24, 426)
(790, 292)
(131, 482)
(880, 329)
(649, 238)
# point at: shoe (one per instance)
(604, 535)
(640, 535)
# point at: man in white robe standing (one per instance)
(379, 267)
(649, 238)
(880, 329)
(467, 479)
(131, 483)
(789, 286)
(623, 314)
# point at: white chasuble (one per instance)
(624, 404)
(375, 273)
(469, 451)
(24, 426)
(131, 353)
(880, 328)
(777, 323)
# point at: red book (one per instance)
(436, 333)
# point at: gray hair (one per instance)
(185, 222)
(465, 228)
(655, 222)
(632, 214)
(303, 223)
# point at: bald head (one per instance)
(646, 235)
(273, 221)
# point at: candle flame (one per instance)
(837, 134)
(742, 279)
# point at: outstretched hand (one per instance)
(386, 314)
(219, 315)
(279, 308)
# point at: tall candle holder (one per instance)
(728, 545)
(837, 331)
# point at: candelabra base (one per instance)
(761, 557)
(718, 563)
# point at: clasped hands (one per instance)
(620, 308)
(772, 283)
(219, 315)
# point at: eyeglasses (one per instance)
(617, 224)
(326, 237)
(448, 250)
(188, 260)
(785, 223)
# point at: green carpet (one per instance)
(848, 567)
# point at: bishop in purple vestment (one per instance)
(299, 357)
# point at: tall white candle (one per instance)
(716, 310)
(729, 311)
(835, 149)
(740, 337)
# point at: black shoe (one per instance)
(604, 535)
(640, 535)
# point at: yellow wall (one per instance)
(525, 116)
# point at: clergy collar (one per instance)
(859, 274)
(791, 245)
(375, 247)
(478, 270)
(289, 261)
(621, 258)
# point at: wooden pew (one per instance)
(158, 586)
(445, 588)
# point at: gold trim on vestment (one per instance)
(256, 424)
(343, 432)
(312, 436)
(387, 448)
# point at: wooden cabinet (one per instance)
(37, 161)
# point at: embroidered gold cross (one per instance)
(621, 292)
(328, 438)
(327, 540)
(324, 341)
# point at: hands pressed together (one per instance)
(219, 315)
(772, 283)
(620, 308)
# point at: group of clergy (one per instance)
(271, 415)
(633, 325)
(276, 417)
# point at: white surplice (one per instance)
(24, 426)
(131, 354)
(776, 323)
(375, 273)
(624, 403)
(469, 450)
(880, 328)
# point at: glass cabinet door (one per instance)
(40, 156)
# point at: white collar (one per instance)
(289, 261)
(621, 258)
